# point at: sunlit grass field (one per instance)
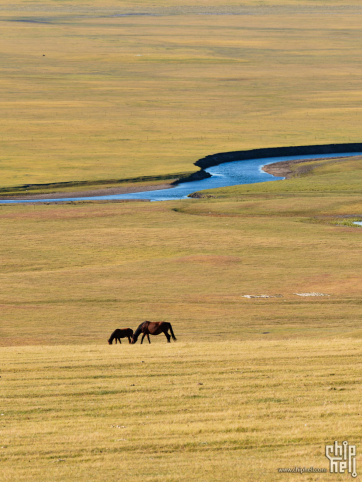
(92, 267)
(89, 94)
(190, 411)
(250, 386)
(260, 377)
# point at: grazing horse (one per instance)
(153, 328)
(118, 334)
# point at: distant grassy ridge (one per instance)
(90, 95)
(181, 6)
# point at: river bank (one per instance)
(300, 167)
(269, 152)
(106, 188)
(111, 191)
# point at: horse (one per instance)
(118, 334)
(153, 328)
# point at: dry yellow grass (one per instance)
(182, 412)
(119, 97)
(280, 376)
(74, 273)
(251, 384)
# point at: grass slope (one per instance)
(252, 384)
(91, 95)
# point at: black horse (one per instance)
(118, 334)
(153, 328)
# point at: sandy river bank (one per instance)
(300, 167)
(126, 189)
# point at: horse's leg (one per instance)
(167, 336)
(116, 340)
(129, 339)
(148, 336)
(119, 341)
(144, 334)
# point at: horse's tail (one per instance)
(172, 333)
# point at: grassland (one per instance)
(252, 384)
(89, 95)
(88, 267)
(191, 412)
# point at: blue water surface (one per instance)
(226, 174)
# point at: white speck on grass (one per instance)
(311, 294)
(262, 296)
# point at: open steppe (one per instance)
(193, 411)
(251, 385)
(91, 93)
(260, 377)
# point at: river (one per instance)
(226, 174)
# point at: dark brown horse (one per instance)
(118, 334)
(153, 328)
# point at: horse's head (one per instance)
(110, 341)
(134, 339)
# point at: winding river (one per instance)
(225, 174)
